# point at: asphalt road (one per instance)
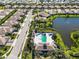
(21, 37)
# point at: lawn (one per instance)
(2, 7)
(4, 49)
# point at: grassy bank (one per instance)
(68, 15)
(75, 37)
(75, 47)
(53, 17)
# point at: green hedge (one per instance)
(7, 17)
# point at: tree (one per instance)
(8, 34)
(17, 26)
(75, 36)
(58, 54)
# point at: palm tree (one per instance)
(58, 54)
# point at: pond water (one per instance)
(65, 26)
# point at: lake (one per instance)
(65, 26)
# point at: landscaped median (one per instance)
(7, 17)
(27, 51)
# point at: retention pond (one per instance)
(65, 26)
